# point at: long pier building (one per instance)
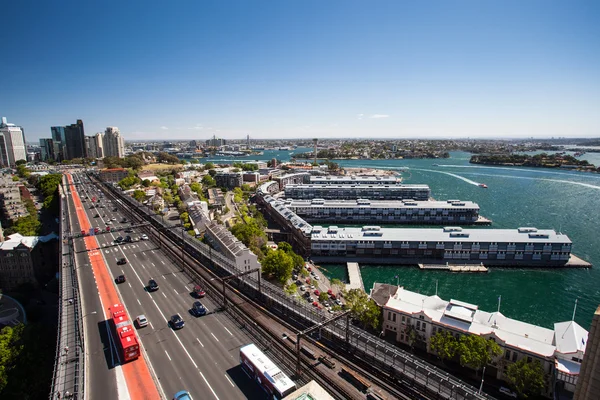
(354, 179)
(388, 211)
(358, 191)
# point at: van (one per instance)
(507, 392)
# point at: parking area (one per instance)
(315, 288)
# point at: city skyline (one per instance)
(295, 71)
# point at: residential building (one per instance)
(358, 191)
(292, 179)
(12, 144)
(412, 319)
(186, 194)
(588, 384)
(229, 180)
(10, 200)
(47, 149)
(113, 174)
(27, 259)
(224, 242)
(114, 144)
(199, 217)
(95, 145)
(74, 141)
(216, 199)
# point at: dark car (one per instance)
(128, 239)
(128, 230)
(152, 285)
(120, 279)
(124, 220)
(176, 322)
(122, 261)
(97, 215)
(119, 239)
(198, 309)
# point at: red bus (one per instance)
(270, 378)
(127, 343)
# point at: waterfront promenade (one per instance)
(354, 277)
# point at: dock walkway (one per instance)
(455, 268)
(354, 277)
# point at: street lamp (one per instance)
(482, 376)
(90, 313)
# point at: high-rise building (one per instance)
(216, 142)
(114, 144)
(58, 141)
(12, 143)
(588, 384)
(47, 149)
(95, 145)
(75, 141)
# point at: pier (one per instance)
(354, 277)
(455, 268)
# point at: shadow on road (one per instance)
(247, 386)
(110, 355)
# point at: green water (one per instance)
(566, 201)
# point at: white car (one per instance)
(507, 392)
(144, 237)
(317, 277)
(142, 321)
(303, 288)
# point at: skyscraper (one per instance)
(47, 149)
(12, 143)
(58, 141)
(114, 144)
(95, 145)
(75, 141)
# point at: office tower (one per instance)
(114, 144)
(58, 141)
(13, 144)
(95, 145)
(47, 149)
(74, 140)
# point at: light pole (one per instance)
(482, 376)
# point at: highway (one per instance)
(201, 358)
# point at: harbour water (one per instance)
(567, 201)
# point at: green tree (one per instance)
(278, 264)
(139, 195)
(21, 162)
(444, 344)
(209, 166)
(196, 187)
(127, 183)
(291, 289)
(527, 378)
(10, 349)
(304, 272)
(476, 351)
(184, 216)
(238, 195)
(323, 297)
(146, 183)
(285, 246)
(363, 308)
(209, 181)
(15, 178)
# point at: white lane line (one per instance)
(153, 265)
(175, 291)
(129, 284)
(214, 337)
(162, 262)
(164, 278)
(138, 300)
(229, 380)
(228, 331)
(207, 384)
(135, 255)
(200, 342)
(151, 326)
(168, 355)
(163, 293)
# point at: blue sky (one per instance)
(294, 69)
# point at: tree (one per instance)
(15, 178)
(209, 166)
(444, 344)
(146, 183)
(184, 216)
(527, 378)
(285, 246)
(139, 195)
(212, 172)
(21, 162)
(363, 308)
(238, 195)
(323, 297)
(278, 264)
(291, 289)
(476, 351)
(10, 349)
(196, 187)
(208, 180)
(338, 283)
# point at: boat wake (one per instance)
(538, 171)
(462, 178)
(587, 185)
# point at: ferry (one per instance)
(483, 185)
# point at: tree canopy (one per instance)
(363, 308)
(278, 264)
(444, 344)
(139, 195)
(476, 351)
(209, 181)
(527, 378)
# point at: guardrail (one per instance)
(69, 363)
(368, 350)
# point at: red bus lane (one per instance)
(140, 384)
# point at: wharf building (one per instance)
(12, 144)
(358, 191)
(354, 179)
(292, 179)
(493, 247)
(412, 319)
(388, 212)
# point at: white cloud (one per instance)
(360, 116)
(197, 127)
(164, 128)
(377, 116)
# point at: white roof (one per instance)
(394, 204)
(468, 318)
(266, 366)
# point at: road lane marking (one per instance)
(151, 326)
(153, 265)
(129, 284)
(164, 278)
(229, 380)
(168, 356)
(135, 255)
(162, 262)
(214, 337)
(228, 331)
(175, 291)
(138, 300)
(163, 293)
(200, 342)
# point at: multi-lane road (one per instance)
(202, 358)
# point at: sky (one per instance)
(303, 68)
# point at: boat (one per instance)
(483, 185)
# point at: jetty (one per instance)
(354, 277)
(455, 268)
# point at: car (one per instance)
(128, 239)
(96, 230)
(115, 209)
(120, 279)
(326, 304)
(182, 395)
(338, 302)
(141, 321)
(306, 294)
(317, 277)
(122, 261)
(124, 220)
(507, 392)
(128, 230)
(330, 292)
(108, 222)
(315, 303)
(119, 239)
(144, 237)
(176, 322)
(96, 215)
(312, 287)
(152, 285)
(113, 219)
(199, 292)
(308, 280)
(303, 288)
(310, 299)
(309, 268)
(295, 277)
(197, 309)
(317, 293)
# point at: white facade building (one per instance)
(96, 145)
(12, 144)
(114, 144)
